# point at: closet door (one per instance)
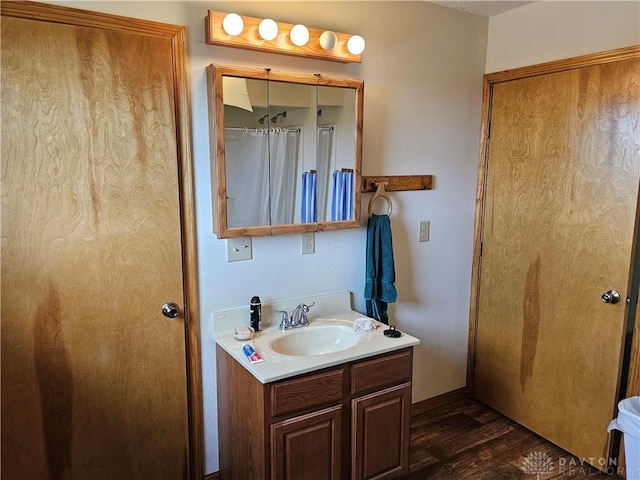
(560, 208)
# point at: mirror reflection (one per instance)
(247, 151)
(286, 151)
(335, 153)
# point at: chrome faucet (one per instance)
(298, 317)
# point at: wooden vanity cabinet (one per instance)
(346, 421)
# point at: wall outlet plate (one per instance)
(308, 243)
(424, 231)
(239, 249)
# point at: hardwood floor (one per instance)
(466, 440)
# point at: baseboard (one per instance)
(439, 401)
(212, 476)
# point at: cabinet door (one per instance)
(307, 447)
(380, 433)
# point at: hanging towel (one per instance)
(379, 289)
(342, 196)
(308, 210)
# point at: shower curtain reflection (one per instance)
(261, 171)
(285, 151)
(247, 162)
(325, 163)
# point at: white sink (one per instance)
(310, 341)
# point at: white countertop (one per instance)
(329, 309)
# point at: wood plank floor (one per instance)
(466, 440)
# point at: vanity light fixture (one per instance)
(328, 40)
(355, 45)
(271, 36)
(268, 29)
(233, 24)
(299, 35)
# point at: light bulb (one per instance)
(299, 35)
(355, 45)
(268, 29)
(232, 24)
(328, 40)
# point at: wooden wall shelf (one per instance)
(397, 183)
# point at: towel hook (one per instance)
(380, 193)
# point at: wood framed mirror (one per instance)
(286, 151)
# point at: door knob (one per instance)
(171, 310)
(611, 297)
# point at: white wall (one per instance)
(423, 69)
(553, 30)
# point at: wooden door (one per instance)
(93, 375)
(559, 213)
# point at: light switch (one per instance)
(239, 249)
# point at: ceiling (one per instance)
(486, 8)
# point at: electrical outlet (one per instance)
(308, 243)
(424, 231)
(239, 249)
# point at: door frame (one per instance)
(490, 80)
(182, 104)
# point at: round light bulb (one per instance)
(328, 40)
(232, 24)
(355, 45)
(268, 29)
(299, 35)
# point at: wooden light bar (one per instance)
(250, 39)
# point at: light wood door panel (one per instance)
(93, 376)
(560, 206)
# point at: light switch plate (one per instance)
(239, 249)
(424, 231)
(308, 243)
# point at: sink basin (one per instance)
(312, 340)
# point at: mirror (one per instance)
(286, 151)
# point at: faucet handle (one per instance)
(305, 308)
(284, 323)
(302, 320)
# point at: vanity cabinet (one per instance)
(346, 421)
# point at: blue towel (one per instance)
(342, 196)
(308, 210)
(379, 286)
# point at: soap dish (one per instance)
(244, 333)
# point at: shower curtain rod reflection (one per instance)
(257, 130)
